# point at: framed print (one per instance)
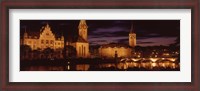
(93, 45)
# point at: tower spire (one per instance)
(132, 30)
(132, 37)
(62, 37)
(83, 29)
(82, 22)
(47, 25)
(25, 33)
(25, 29)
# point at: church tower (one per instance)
(132, 37)
(83, 29)
(25, 34)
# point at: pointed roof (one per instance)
(25, 29)
(132, 30)
(47, 25)
(82, 22)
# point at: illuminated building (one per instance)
(43, 39)
(132, 38)
(80, 43)
(113, 50)
(46, 39)
(110, 50)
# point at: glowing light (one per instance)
(172, 59)
(173, 65)
(153, 59)
(122, 60)
(164, 65)
(166, 54)
(135, 60)
(154, 64)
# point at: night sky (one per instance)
(148, 32)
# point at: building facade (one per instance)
(44, 40)
(80, 43)
(114, 50)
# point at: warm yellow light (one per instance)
(154, 64)
(153, 59)
(135, 60)
(172, 59)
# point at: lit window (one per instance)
(42, 41)
(51, 41)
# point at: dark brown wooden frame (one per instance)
(99, 4)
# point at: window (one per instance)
(84, 51)
(51, 41)
(47, 41)
(42, 41)
(47, 34)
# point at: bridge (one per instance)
(150, 59)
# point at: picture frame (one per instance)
(113, 4)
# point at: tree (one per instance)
(48, 52)
(25, 51)
(70, 51)
(36, 53)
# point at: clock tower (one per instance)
(132, 37)
(83, 29)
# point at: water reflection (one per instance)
(82, 67)
(130, 66)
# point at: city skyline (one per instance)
(56, 45)
(149, 32)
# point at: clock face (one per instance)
(83, 26)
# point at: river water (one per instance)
(121, 66)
